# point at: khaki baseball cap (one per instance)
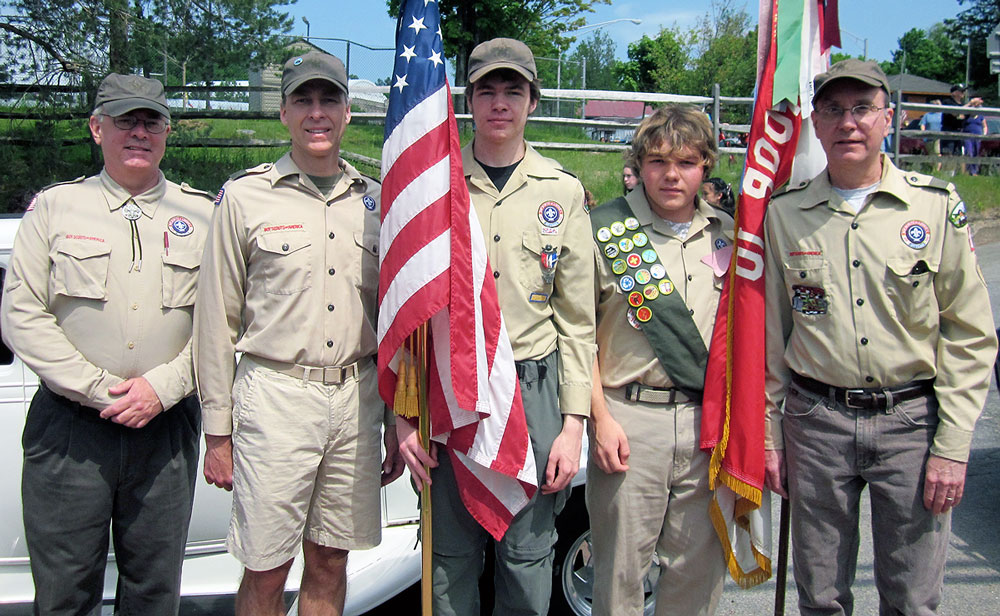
(119, 94)
(313, 65)
(501, 53)
(860, 70)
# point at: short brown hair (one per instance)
(507, 74)
(671, 128)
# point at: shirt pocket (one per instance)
(366, 271)
(534, 275)
(909, 286)
(286, 262)
(806, 282)
(80, 269)
(180, 278)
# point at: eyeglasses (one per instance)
(128, 122)
(859, 112)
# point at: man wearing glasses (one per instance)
(98, 302)
(880, 342)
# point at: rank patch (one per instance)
(809, 300)
(180, 226)
(550, 214)
(369, 202)
(915, 234)
(958, 218)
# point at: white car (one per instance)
(374, 576)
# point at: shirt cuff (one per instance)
(574, 399)
(773, 437)
(163, 380)
(952, 443)
(217, 421)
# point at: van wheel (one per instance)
(573, 569)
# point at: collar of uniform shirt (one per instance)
(117, 196)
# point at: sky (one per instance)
(881, 22)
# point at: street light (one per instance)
(306, 22)
(581, 28)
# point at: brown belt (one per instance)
(879, 398)
(637, 392)
(328, 375)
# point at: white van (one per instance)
(374, 576)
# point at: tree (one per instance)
(932, 54)
(973, 25)
(656, 64)
(541, 24)
(597, 53)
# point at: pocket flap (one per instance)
(537, 243)
(82, 249)
(283, 243)
(367, 241)
(186, 259)
(903, 267)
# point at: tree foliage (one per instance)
(656, 64)
(933, 54)
(597, 54)
(973, 25)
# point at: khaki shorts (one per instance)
(306, 464)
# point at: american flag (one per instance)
(433, 267)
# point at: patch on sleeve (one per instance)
(31, 205)
(218, 197)
(972, 244)
(957, 217)
(809, 300)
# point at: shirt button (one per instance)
(802, 274)
(691, 311)
(496, 238)
(496, 274)
(860, 302)
(331, 235)
(131, 345)
(330, 307)
(869, 379)
(332, 271)
(284, 247)
(329, 343)
(690, 277)
(135, 306)
(864, 341)
(854, 225)
(856, 263)
(916, 283)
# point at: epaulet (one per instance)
(569, 173)
(368, 178)
(789, 187)
(53, 185)
(185, 187)
(261, 168)
(920, 179)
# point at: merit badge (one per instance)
(603, 234)
(618, 266)
(635, 299)
(634, 260)
(631, 223)
(626, 244)
(958, 217)
(611, 250)
(640, 239)
(180, 226)
(550, 213)
(627, 283)
(618, 228)
(630, 317)
(549, 258)
(131, 211)
(649, 255)
(915, 234)
(666, 287)
(720, 244)
(657, 271)
(650, 292)
(642, 276)
(809, 300)
(369, 202)
(538, 298)
(644, 314)
(218, 197)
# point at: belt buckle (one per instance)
(333, 375)
(847, 398)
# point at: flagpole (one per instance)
(781, 577)
(426, 572)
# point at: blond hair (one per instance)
(669, 130)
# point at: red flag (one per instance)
(732, 429)
(434, 269)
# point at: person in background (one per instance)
(630, 178)
(718, 193)
(98, 302)
(973, 125)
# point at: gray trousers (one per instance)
(833, 452)
(83, 477)
(523, 578)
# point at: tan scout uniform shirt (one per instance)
(288, 275)
(624, 353)
(541, 317)
(853, 300)
(76, 315)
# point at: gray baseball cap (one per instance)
(501, 53)
(860, 70)
(313, 65)
(119, 94)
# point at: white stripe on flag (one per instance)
(425, 116)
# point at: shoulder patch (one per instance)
(261, 168)
(919, 179)
(185, 187)
(789, 188)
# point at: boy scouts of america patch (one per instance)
(958, 217)
(369, 202)
(218, 197)
(915, 234)
(550, 214)
(809, 300)
(180, 226)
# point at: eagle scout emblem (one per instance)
(634, 260)
(618, 266)
(369, 202)
(809, 300)
(627, 283)
(548, 259)
(604, 234)
(180, 226)
(631, 223)
(550, 214)
(957, 217)
(640, 239)
(915, 234)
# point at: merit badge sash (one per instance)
(654, 308)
